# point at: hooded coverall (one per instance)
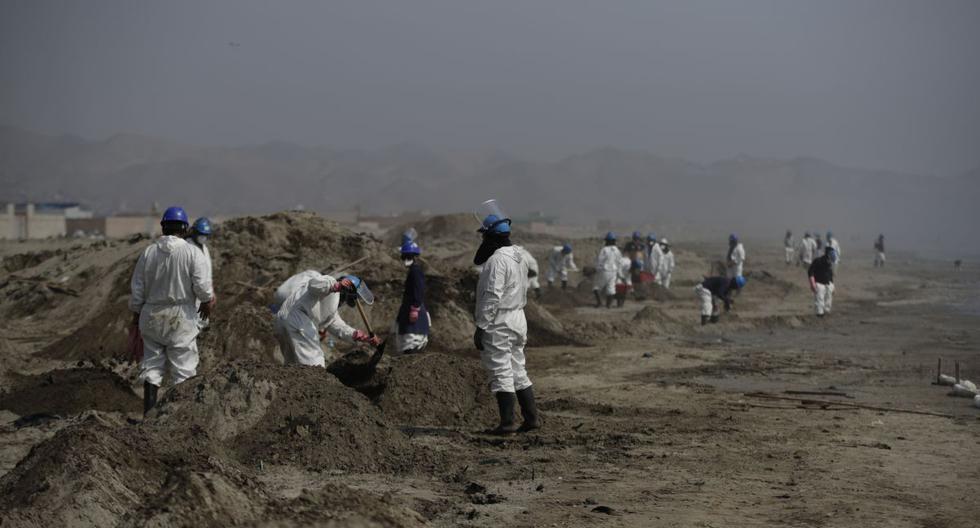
(559, 264)
(653, 261)
(203, 248)
(501, 295)
(736, 259)
(309, 306)
(666, 268)
(808, 247)
(170, 280)
(607, 266)
(832, 242)
(789, 248)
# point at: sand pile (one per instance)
(70, 391)
(92, 474)
(437, 389)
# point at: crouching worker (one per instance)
(717, 287)
(308, 307)
(821, 273)
(170, 279)
(413, 319)
(501, 329)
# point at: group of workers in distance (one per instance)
(616, 271)
(173, 297)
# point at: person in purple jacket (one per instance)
(413, 319)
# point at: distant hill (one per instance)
(744, 194)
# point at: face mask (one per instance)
(407, 262)
(201, 239)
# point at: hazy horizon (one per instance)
(887, 85)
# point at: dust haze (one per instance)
(756, 116)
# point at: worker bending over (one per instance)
(560, 262)
(307, 310)
(717, 287)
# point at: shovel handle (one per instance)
(360, 310)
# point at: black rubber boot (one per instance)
(529, 410)
(149, 396)
(704, 320)
(564, 285)
(598, 301)
(714, 319)
(609, 300)
(505, 405)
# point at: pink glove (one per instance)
(342, 284)
(413, 314)
(361, 336)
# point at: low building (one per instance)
(117, 226)
(41, 220)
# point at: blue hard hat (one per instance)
(830, 234)
(411, 248)
(175, 214)
(202, 226)
(733, 237)
(806, 233)
(496, 225)
(637, 234)
(610, 236)
(567, 248)
(740, 282)
(652, 237)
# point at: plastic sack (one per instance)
(945, 379)
(964, 391)
(135, 344)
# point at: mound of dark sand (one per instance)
(92, 474)
(292, 415)
(437, 389)
(336, 506)
(65, 392)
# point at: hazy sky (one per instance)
(886, 83)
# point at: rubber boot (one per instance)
(714, 319)
(529, 410)
(564, 285)
(609, 300)
(149, 396)
(505, 405)
(598, 301)
(704, 320)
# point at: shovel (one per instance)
(378, 352)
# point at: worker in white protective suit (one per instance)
(789, 247)
(607, 265)
(736, 257)
(307, 310)
(808, 248)
(533, 282)
(198, 236)
(835, 245)
(666, 267)
(169, 280)
(501, 329)
(654, 252)
(624, 283)
(560, 262)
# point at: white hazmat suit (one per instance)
(307, 306)
(808, 248)
(607, 266)
(501, 294)
(559, 264)
(653, 261)
(203, 248)
(665, 268)
(736, 261)
(832, 242)
(169, 282)
(533, 282)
